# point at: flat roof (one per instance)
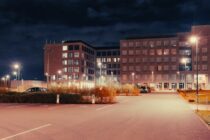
(77, 41)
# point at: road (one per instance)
(146, 117)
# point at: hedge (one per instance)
(39, 98)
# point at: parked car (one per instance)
(145, 89)
(36, 90)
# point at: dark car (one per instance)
(36, 90)
(145, 89)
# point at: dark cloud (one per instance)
(26, 24)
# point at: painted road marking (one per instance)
(27, 131)
(101, 108)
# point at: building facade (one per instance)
(108, 62)
(162, 62)
(72, 62)
(166, 62)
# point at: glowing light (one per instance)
(14, 73)
(132, 73)
(59, 71)
(16, 66)
(184, 60)
(7, 76)
(193, 39)
(99, 64)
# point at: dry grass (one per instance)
(203, 96)
(205, 115)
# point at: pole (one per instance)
(185, 75)
(196, 73)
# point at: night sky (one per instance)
(25, 25)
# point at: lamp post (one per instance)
(47, 76)
(15, 74)
(133, 76)
(178, 73)
(100, 66)
(184, 61)
(83, 80)
(17, 68)
(4, 80)
(59, 73)
(194, 40)
(7, 77)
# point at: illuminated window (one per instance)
(204, 67)
(130, 44)
(159, 51)
(165, 67)
(159, 59)
(166, 42)
(166, 52)
(159, 68)
(76, 69)
(131, 60)
(124, 60)
(65, 48)
(109, 59)
(70, 62)
(131, 68)
(124, 68)
(76, 54)
(70, 69)
(64, 69)
(64, 62)
(158, 43)
(138, 52)
(76, 62)
(124, 44)
(64, 55)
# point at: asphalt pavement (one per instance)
(146, 117)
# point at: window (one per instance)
(144, 59)
(70, 69)
(152, 52)
(114, 59)
(64, 62)
(166, 68)
(65, 48)
(130, 44)
(165, 59)
(145, 68)
(159, 68)
(124, 77)
(70, 62)
(64, 69)
(138, 68)
(76, 47)
(109, 59)
(159, 59)
(152, 59)
(204, 58)
(144, 52)
(158, 43)
(124, 52)
(131, 60)
(159, 51)
(131, 68)
(76, 69)
(204, 50)
(174, 67)
(130, 52)
(173, 42)
(204, 67)
(138, 60)
(76, 62)
(124, 60)
(76, 54)
(138, 52)
(151, 68)
(64, 55)
(166, 43)
(124, 68)
(124, 44)
(173, 51)
(173, 59)
(166, 52)
(70, 55)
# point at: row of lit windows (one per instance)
(149, 43)
(107, 60)
(150, 52)
(159, 68)
(149, 59)
(70, 55)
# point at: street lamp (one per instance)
(195, 40)
(100, 66)
(7, 77)
(184, 61)
(59, 73)
(16, 66)
(15, 74)
(47, 75)
(133, 74)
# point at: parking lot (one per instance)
(148, 117)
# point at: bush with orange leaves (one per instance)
(130, 90)
(104, 94)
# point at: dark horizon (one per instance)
(26, 25)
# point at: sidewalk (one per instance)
(200, 106)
